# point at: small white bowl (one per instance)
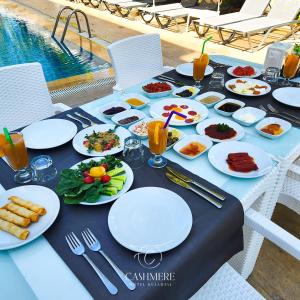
(131, 128)
(207, 94)
(286, 126)
(114, 104)
(126, 114)
(225, 113)
(159, 94)
(192, 138)
(193, 89)
(180, 133)
(126, 97)
(258, 114)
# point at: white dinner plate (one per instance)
(157, 109)
(80, 137)
(218, 154)
(48, 134)
(238, 128)
(249, 83)
(150, 220)
(187, 69)
(37, 194)
(230, 72)
(104, 198)
(288, 95)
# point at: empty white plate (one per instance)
(150, 220)
(288, 95)
(187, 69)
(48, 134)
(217, 156)
(37, 194)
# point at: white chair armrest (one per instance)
(295, 169)
(60, 107)
(273, 232)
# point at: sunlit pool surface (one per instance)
(22, 42)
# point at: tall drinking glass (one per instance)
(290, 68)
(17, 157)
(157, 143)
(199, 67)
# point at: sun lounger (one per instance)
(282, 13)
(250, 9)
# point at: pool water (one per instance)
(22, 42)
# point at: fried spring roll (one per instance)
(13, 218)
(14, 229)
(23, 212)
(29, 205)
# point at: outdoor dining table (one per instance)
(22, 265)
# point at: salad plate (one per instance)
(100, 140)
(248, 87)
(243, 71)
(220, 129)
(288, 95)
(145, 220)
(95, 181)
(49, 201)
(194, 111)
(186, 69)
(218, 156)
(49, 133)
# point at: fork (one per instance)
(274, 110)
(78, 249)
(93, 243)
(75, 119)
(292, 120)
(85, 118)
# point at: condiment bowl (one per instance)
(126, 97)
(227, 113)
(193, 89)
(114, 104)
(209, 94)
(180, 136)
(127, 114)
(204, 140)
(286, 126)
(158, 94)
(131, 128)
(248, 116)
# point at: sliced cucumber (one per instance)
(120, 177)
(115, 172)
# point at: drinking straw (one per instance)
(7, 135)
(206, 40)
(170, 116)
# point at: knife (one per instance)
(201, 186)
(187, 186)
(170, 80)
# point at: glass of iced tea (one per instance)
(157, 143)
(290, 68)
(199, 67)
(17, 157)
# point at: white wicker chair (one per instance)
(24, 96)
(136, 59)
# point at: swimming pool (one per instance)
(23, 42)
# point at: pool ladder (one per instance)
(73, 12)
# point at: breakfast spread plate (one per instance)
(240, 159)
(244, 71)
(100, 140)
(248, 87)
(220, 129)
(194, 111)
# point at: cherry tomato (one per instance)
(105, 166)
(86, 174)
(105, 178)
(89, 180)
(192, 113)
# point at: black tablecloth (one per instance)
(215, 237)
